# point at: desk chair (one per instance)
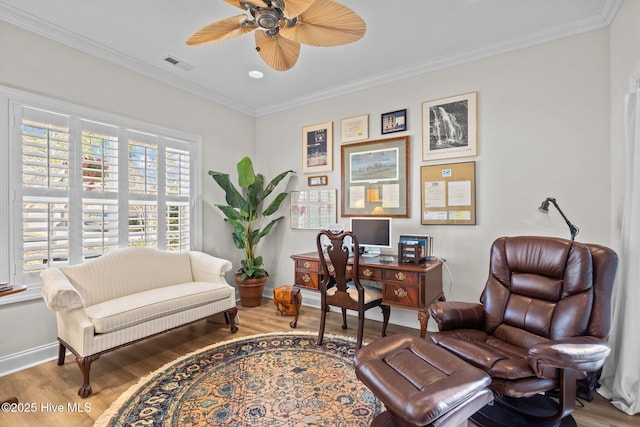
(341, 288)
(542, 321)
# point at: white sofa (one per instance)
(130, 294)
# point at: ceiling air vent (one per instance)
(178, 63)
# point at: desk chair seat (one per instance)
(341, 289)
(370, 293)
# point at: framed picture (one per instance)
(375, 178)
(354, 128)
(317, 180)
(449, 127)
(313, 209)
(317, 148)
(395, 121)
(448, 194)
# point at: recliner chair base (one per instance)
(538, 406)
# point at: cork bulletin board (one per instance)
(448, 194)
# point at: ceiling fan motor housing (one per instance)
(268, 18)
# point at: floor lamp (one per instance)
(544, 207)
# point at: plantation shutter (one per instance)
(143, 190)
(178, 188)
(100, 173)
(45, 155)
(81, 187)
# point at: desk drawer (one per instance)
(370, 273)
(401, 276)
(404, 294)
(307, 279)
(305, 264)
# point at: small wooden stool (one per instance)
(288, 301)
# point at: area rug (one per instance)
(279, 379)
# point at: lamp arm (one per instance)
(572, 228)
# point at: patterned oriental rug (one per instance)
(279, 379)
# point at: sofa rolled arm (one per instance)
(58, 292)
(586, 354)
(457, 315)
(208, 268)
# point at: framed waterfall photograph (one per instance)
(450, 127)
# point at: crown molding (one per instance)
(47, 29)
(603, 20)
(609, 10)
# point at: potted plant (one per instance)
(244, 210)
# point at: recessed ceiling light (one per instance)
(256, 74)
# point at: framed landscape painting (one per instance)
(375, 178)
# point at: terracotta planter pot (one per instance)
(251, 291)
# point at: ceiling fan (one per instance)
(283, 24)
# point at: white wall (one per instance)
(543, 123)
(41, 66)
(625, 63)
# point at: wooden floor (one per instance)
(49, 391)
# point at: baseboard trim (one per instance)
(38, 355)
(26, 359)
(399, 316)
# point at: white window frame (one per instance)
(10, 150)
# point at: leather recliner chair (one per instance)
(543, 322)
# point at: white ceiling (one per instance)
(404, 38)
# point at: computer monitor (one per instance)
(373, 234)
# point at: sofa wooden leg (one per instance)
(232, 313)
(62, 351)
(85, 366)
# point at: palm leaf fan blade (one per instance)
(277, 52)
(237, 3)
(293, 8)
(326, 23)
(225, 29)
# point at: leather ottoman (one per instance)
(420, 383)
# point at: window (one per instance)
(84, 183)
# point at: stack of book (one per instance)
(5, 287)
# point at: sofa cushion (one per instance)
(127, 271)
(134, 309)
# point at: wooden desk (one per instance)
(408, 286)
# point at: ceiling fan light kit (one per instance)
(282, 25)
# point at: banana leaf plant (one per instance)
(244, 211)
